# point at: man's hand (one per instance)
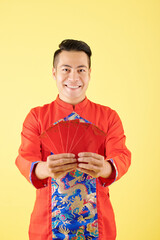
(94, 165)
(56, 166)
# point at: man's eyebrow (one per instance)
(66, 65)
(82, 66)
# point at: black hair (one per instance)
(72, 45)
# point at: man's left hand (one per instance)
(94, 165)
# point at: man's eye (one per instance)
(81, 70)
(65, 69)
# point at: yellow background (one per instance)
(125, 40)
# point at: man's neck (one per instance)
(73, 102)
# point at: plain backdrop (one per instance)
(124, 37)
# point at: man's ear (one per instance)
(54, 73)
(89, 73)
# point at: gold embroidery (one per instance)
(64, 231)
(77, 204)
(93, 228)
(81, 219)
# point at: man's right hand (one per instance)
(56, 166)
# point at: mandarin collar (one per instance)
(78, 106)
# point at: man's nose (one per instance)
(73, 76)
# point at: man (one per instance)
(72, 200)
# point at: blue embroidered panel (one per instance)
(74, 209)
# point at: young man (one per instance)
(72, 200)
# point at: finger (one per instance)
(62, 155)
(89, 172)
(90, 154)
(90, 160)
(60, 162)
(89, 167)
(58, 174)
(63, 168)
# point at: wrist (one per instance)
(41, 170)
(107, 170)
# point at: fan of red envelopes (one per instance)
(72, 136)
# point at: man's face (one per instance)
(72, 75)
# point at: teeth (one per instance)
(73, 86)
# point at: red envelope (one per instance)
(73, 136)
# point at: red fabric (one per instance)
(73, 137)
(30, 152)
(106, 219)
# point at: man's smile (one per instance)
(72, 86)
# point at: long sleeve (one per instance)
(116, 151)
(30, 150)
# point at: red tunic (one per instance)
(31, 152)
